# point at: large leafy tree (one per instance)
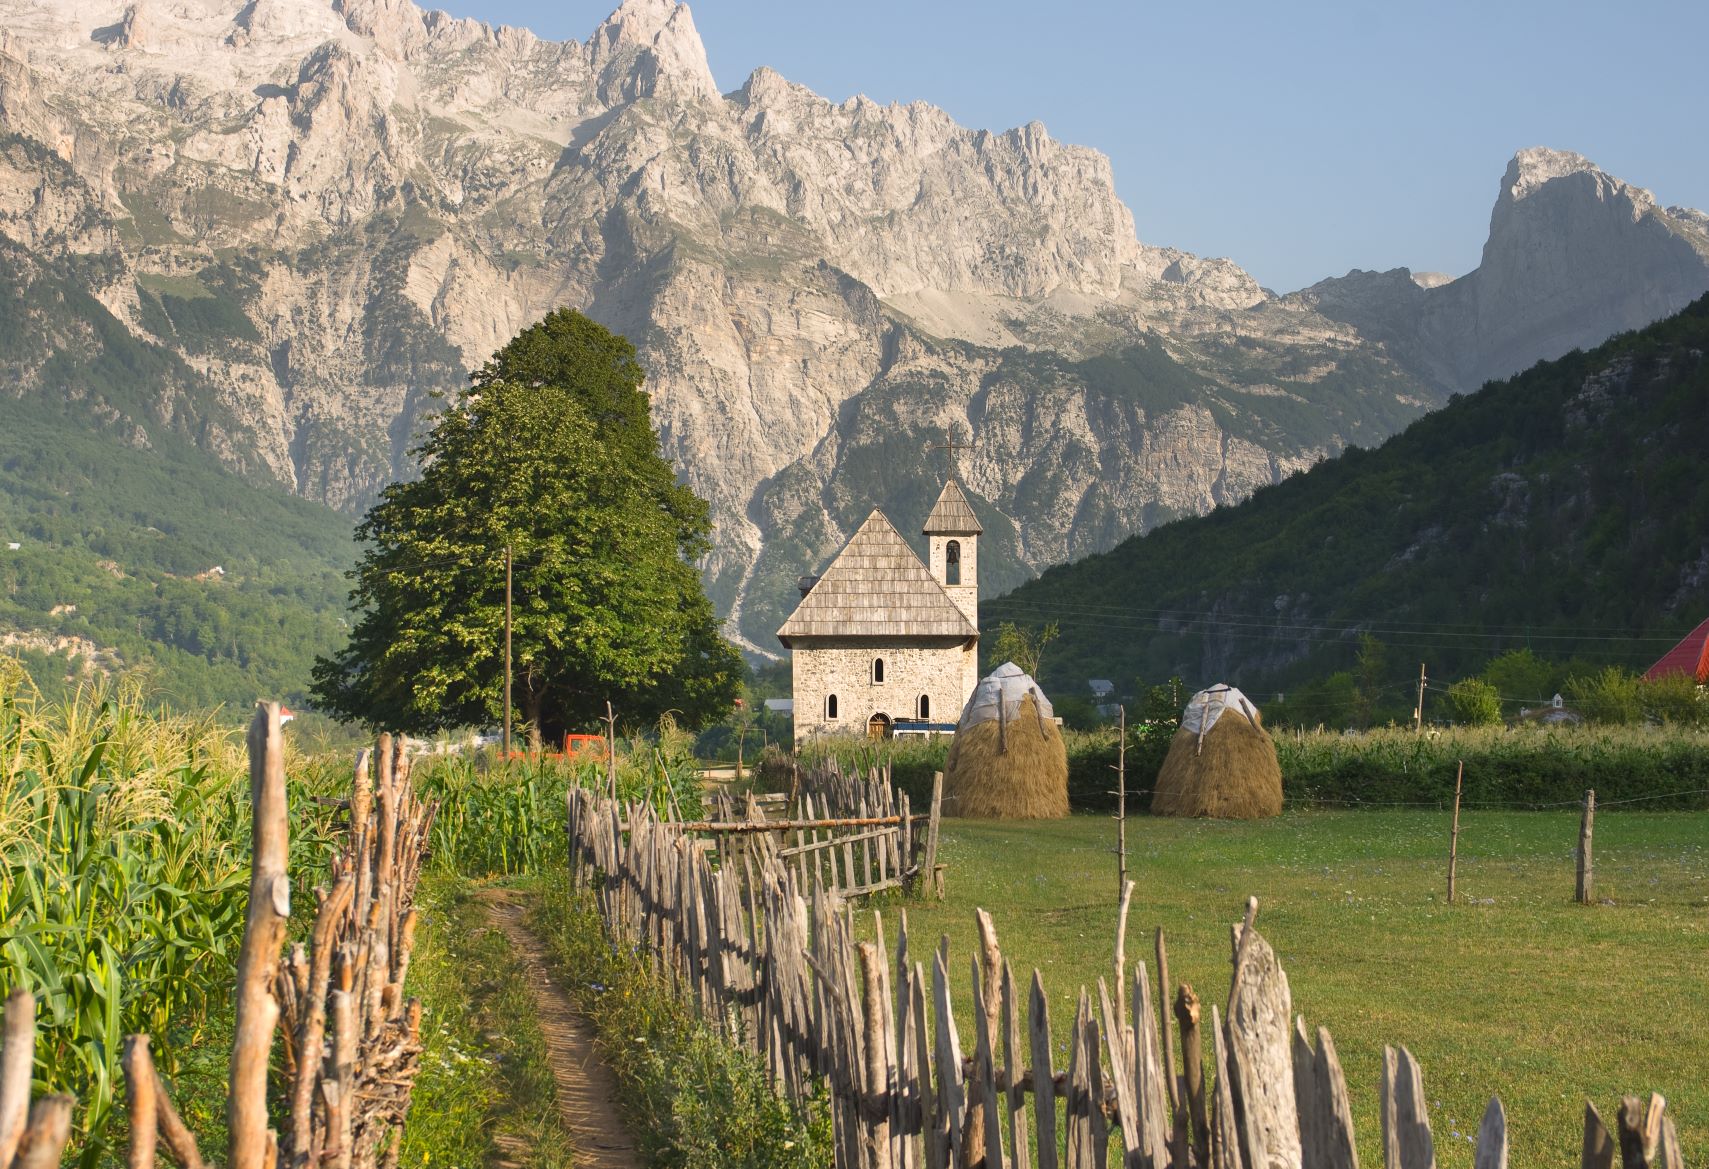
(551, 452)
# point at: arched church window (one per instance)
(925, 706)
(878, 669)
(830, 706)
(952, 562)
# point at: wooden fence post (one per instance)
(1193, 1073)
(1454, 837)
(930, 867)
(17, 1055)
(1586, 862)
(1121, 816)
(251, 1144)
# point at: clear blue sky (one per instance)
(1299, 139)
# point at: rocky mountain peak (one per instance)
(654, 43)
(1531, 168)
(1573, 254)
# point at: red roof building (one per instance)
(1689, 657)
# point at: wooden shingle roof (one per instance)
(952, 515)
(876, 587)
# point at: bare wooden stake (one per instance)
(1492, 1138)
(1168, 1040)
(1193, 1072)
(610, 721)
(1454, 836)
(1640, 1131)
(875, 1132)
(1044, 1077)
(1121, 953)
(1121, 813)
(140, 1103)
(180, 1141)
(257, 1011)
(1586, 862)
(45, 1135)
(1598, 1145)
(17, 1058)
(932, 825)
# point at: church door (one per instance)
(878, 727)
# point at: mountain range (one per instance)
(1562, 511)
(314, 216)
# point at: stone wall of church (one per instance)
(944, 671)
(965, 594)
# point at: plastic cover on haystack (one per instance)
(1007, 684)
(1205, 707)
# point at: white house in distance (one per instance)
(881, 639)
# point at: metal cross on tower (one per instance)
(949, 444)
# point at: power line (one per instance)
(1137, 616)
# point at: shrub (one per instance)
(1475, 703)
(1611, 696)
(1674, 700)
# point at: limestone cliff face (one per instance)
(1573, 256)
(329, 210)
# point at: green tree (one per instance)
(1475, 702)
(1674, 699)
(1521, 674)
(1370, 665)
(1612, 695)
(550, 451)
(1022, 644)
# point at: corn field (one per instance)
(124, 837)
(1516, 767)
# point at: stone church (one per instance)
(881, 639)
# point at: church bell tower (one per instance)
(953, 532)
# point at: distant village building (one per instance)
(880, 638)
(1557, 713)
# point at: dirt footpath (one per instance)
(587, 1089)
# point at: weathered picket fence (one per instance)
(351, 1039)
(850, 831)
(771, 954)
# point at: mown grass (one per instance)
(485, 1091)
(1514, 991)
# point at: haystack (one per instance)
(1007, 761)
(1222, 763)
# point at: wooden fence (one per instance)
(850, 832)
(769, 952)
(351, 1039)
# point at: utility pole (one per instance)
(1418, 713)
(507, 584)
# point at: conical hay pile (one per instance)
(1029, 781)
(1232, 775)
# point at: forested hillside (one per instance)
(122, 519)
(1565, 510)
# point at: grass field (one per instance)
(1514, 991)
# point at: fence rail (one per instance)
(850, 831)
(769, 951)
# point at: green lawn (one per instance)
(1515, 991)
